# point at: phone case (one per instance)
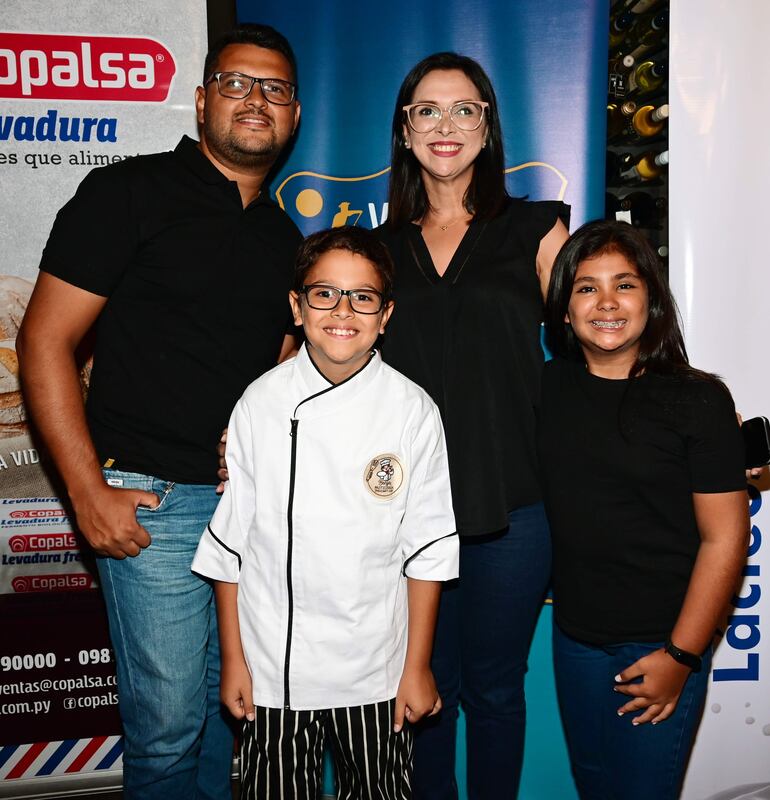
(756, 438)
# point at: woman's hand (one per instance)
(658, 693)
(222, 473)
(417, 697)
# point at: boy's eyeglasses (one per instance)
(238, 86)
(466, 115)
(323, 297)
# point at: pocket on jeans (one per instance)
(119, 479)
(163, 490)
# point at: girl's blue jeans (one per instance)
(612, 759)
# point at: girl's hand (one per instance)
(417, 697)
(658, 693)
(235, 688)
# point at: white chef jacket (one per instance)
(336, 494)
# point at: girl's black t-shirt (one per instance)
(620, 460)
(471, 339)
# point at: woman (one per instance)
(649, 520)
(471, 267)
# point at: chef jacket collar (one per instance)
(320, 395)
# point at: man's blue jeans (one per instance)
(483, 634)
(163, 628)
(611, 759)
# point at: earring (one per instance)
(484, 144)
(407, 144)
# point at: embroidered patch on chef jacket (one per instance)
(384, 476)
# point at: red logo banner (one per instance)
(65, 67)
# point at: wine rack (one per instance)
(637, 118)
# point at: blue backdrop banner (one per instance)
(548, 62)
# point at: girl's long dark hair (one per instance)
(486, 193)
(661, 346)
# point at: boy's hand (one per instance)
(235, 688)
(658, 693)
(416, 697)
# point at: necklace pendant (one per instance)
(443, 227)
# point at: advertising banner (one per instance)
(58, 682)
(352, 59)
(81, 85)
(722, 284)
(547, 62)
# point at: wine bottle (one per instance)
(646, 168)
(642, 209)
(621, 65)
(643, 6)
(647, 77)
(649, 35)
(649, 121)
(617, 164)
(611, 205)
(617, 73)
(635, 6)
(619, 27)
(618, 116)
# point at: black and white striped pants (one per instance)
(282, 754)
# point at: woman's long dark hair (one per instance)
(486, 193)
(661, 345)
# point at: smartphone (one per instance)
(756, 438)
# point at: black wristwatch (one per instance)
(683, 657)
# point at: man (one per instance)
(186, 264)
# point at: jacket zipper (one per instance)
(290, 543)
(290, 521)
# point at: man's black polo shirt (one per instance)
(197, 304)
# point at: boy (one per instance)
(337, 520)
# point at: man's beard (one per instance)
(258, 151)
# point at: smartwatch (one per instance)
(683, 657)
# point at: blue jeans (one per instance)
(611, 759)
(484, 630)
(163, 628)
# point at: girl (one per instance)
(642, 465)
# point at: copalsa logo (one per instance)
(315, 201)
(51, 583)
(64, 67)
(42, 542)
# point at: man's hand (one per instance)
(106, 516)
(658, 693)
(417, 697)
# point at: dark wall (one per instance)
(220, 15)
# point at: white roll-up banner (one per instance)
(718, 183)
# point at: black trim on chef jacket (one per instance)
(420, 550)
(222, 544)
